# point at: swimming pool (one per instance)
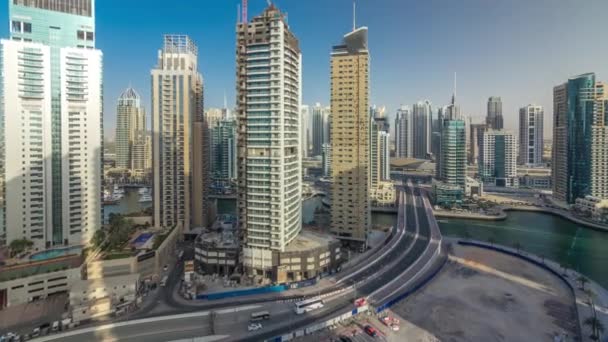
(56, 252)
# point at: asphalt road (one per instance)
(389, 266)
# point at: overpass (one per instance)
(411, 253)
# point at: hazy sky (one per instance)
(516, 49)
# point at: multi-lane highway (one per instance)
(384, 274)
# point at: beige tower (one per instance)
(350, 209)
(177, 110)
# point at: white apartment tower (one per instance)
(531, 135)
(404, 145)
(499, 158)
(177, 129)
(269, 144)
(27, 133)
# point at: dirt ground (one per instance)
(481, 295)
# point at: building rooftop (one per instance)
(307, 240)
(28, 269)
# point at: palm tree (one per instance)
(583, 281)
(517, 246)
(597, 328)
(491, 240)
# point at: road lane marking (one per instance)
(135, 322)
(383, 254)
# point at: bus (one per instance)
(308, 305)
(163, 282)
(258, 316)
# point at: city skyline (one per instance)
(401, 77)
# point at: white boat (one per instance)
(145, 198)
(143, 190)
(118, 190)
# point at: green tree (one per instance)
(491, 240)
(19, 245)
(98, 238)
(517, 246)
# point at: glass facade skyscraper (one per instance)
(579, 139)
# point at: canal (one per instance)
(552, 237)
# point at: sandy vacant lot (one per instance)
(485, 296)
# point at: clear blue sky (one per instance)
(517, 49)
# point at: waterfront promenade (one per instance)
(501, 214)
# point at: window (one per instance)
(90, 36)
(27, 27)
(80, 34)
(16, 26)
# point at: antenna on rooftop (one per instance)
(354, 15)
(244, 15)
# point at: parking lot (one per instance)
(354, 330)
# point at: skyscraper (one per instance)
(350, 210)
(494, 119)
(269, 153)
(178, 135)
(55, 184)
(403, 133)
(326, 160)
(319, 129)
(452, 157)
(305, 129)
(580, 137)
(422, 115)
(130, 127)
(531, 135)
(475, 137)
(379, 147)
(223, 150)
(498, 162)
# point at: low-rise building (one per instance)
(593, 207)
(308, 256)
(383, 194)
(216, 252)
(30, 281)
(446, 195)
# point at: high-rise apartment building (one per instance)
(51, 131)
(404, 133)
(130, 127)
(580, 139)
(475, 137)
(422, 115)
(213, 116)
(379, 147)
(350, 210)
(326, 160)
(319, 129)
(531, 135)
(269, 153)
(498, 162)
(223, 150)
(179, 141)
(494, 119)
(305, 130)
(451, 161)
(142, 156)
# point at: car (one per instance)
(165, 268)
(371, 331)
(254, 326)
(345, 339)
